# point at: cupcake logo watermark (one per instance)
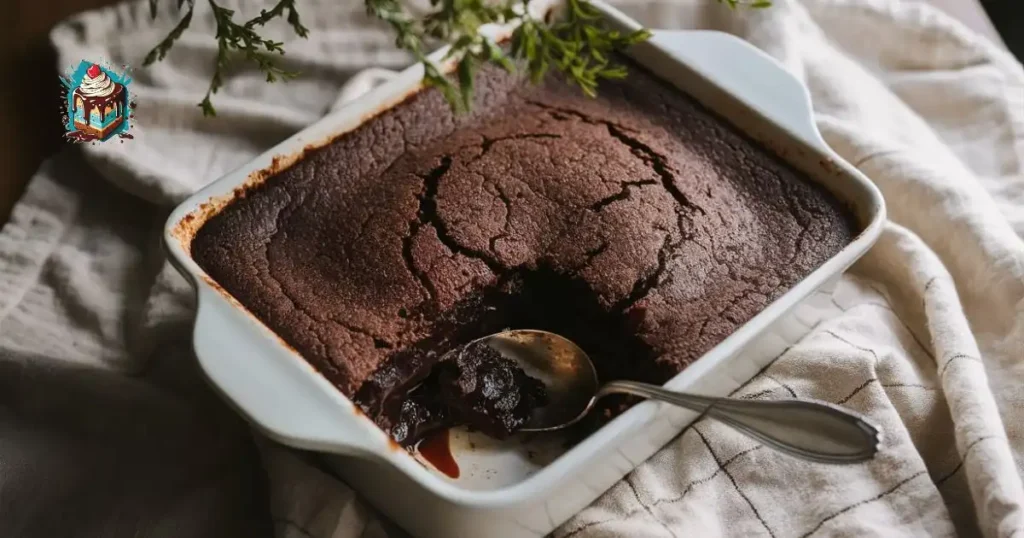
(98, 105)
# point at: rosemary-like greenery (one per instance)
(578, 45)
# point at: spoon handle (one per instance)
(812, 430)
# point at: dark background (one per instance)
(30, 127)
(1008, 18)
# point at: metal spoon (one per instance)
(812, 430)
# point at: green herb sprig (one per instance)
(233, 38)
(578, 45)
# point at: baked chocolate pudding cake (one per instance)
(636, 224)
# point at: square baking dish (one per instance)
(502, 492)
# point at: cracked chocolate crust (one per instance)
(419, 231)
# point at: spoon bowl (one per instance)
(808, 429)
(569, 377)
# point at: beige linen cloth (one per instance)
(106, 430)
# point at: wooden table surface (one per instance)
(30, 127)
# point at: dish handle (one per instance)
(749, 74)
(268, 386)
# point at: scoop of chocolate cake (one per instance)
(487, 391)
(471, 385)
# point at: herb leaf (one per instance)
(161, 49)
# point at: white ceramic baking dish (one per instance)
(501, 492)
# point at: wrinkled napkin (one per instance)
(107, 430)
